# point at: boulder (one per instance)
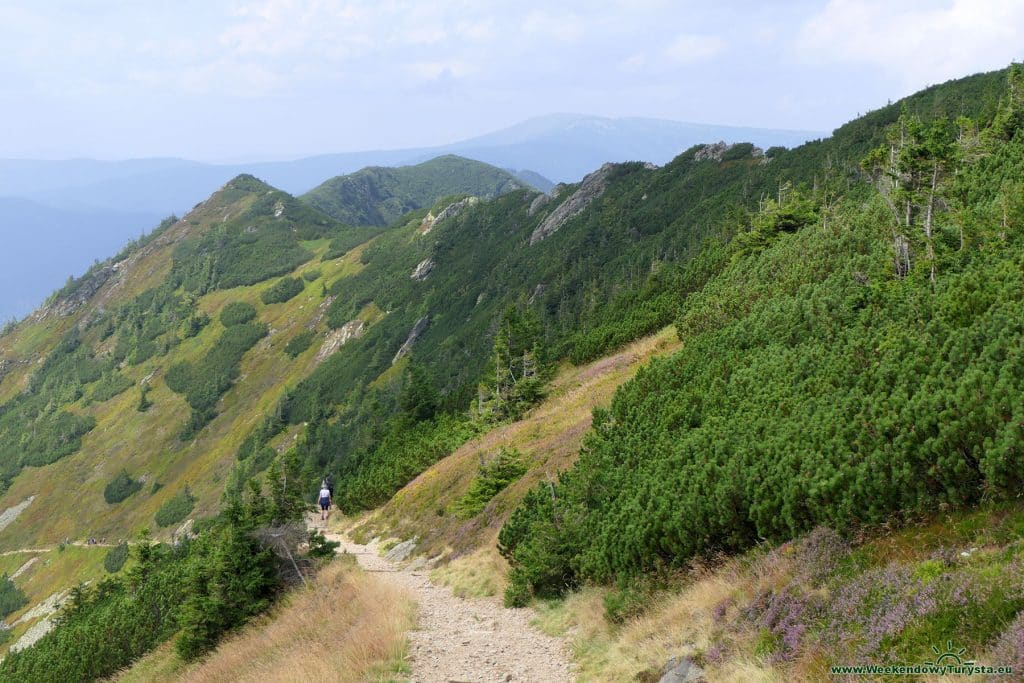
(681, 670)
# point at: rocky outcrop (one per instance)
(321, 311)
(455, 208)
(538, 203)
(11, 513)
(64, 305)
(185, 531)
(716, 151)
(353, 329)
(7, 365)
(592, 187)
(537, 292)
(712, 152)
(422, 271)
(414, 334)
(450, 211)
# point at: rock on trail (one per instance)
(467, 640)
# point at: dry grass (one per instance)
(676, 623)
(349, 626)
(481, 574)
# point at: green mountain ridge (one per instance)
(379, 195)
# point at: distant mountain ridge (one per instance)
(114, 201)
(560, 147)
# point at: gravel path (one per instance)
(461, 640)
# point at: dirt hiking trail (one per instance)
(461, 640)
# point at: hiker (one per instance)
(329, 481)
(325, 501)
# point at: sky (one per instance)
(233, 80)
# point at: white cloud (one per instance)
(692, 48)
(919, 42)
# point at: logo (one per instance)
(949, 658)
(948, 662)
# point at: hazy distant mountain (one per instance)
(559, 147)
(565, 147)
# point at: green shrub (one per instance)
(494, 476)
(282, 290)
(817, 385)
(311, 275)
(205, 381)
(237, 313)
(116, 557)
(738, 151)
(109, 386)
(12, 598)
(144, 401)
(176, 508)
(299, 343)
(121, 487)
(195, 324)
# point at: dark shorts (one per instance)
(325, 503)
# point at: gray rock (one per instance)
(184, 531)
(450, 211)
(353, 329)
(712, 152)
(592, 187)
(681, 670)
(402, 551)
(414, 334)
(538, 203)
(422, 271)
(455, 208)
(537, 291)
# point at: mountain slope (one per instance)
(379, 196)
(258, 336)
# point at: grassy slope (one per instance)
(202, 464)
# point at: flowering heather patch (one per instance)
(786, 614)
(818, 555)
(718, 613)
(1009, 647)
(715, 654)
(876, 606)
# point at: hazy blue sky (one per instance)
(234, 79)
